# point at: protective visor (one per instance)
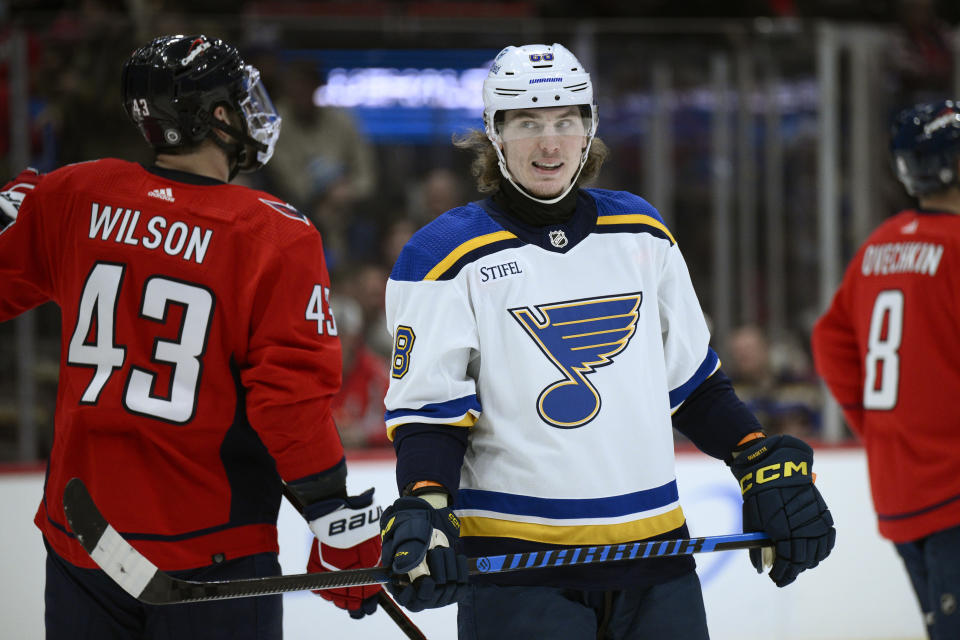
(263, 121)
(523, 124)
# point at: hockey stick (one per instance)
(399, 617)
(144, 581)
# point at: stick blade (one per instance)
(84, 518)
(114, 555)
(144, 581)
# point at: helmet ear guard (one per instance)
(533, 77)
(925, 147)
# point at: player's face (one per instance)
(542, 147)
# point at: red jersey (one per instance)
(358, 408)
(198, 356)
(889, 350)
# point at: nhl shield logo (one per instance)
(558, 238)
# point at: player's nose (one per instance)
(550, 144)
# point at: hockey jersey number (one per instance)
(882, 381)
(98, 305)
(320, 300)
(97, 314)
(402, 344)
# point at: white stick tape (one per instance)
(123, 563)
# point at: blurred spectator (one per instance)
(84, 52)
(324, 166)
(367, 285)
(358, 407)
(397, 233)
(322, 162)
(440, 190)
(41, 136)
(922, 55)
(776, 388)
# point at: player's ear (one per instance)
(221, 113)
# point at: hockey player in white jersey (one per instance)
(547, 339)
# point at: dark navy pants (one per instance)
(933, 564)
(671, 610)
(86, 603)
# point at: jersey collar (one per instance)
(182, 176)
(557, 237)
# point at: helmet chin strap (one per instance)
(237, 151)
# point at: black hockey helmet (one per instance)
(172, 85)
(925, 147)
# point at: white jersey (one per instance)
(564, 350)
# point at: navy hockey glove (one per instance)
(779, 499)
(347, 537)
(420, 551)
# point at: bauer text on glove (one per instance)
(347, 537)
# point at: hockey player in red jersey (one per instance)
(199, 356)
(889, 350)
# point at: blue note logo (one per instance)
(578, 336)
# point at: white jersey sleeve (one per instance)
(435, 340)
(688, 358)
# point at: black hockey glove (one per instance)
(779, 499)
(420, 550)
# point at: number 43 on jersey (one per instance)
(320, 300)
(96, 319)
(93, 343)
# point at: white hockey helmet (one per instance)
(534, 76)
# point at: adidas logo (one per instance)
(163, 194)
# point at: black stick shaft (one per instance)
(405, 623)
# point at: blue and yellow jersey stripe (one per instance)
(441, 249)
(634, 223)
(625, 518)
(576, 534)
(469, 251)
(624, 212)
(459, 412)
